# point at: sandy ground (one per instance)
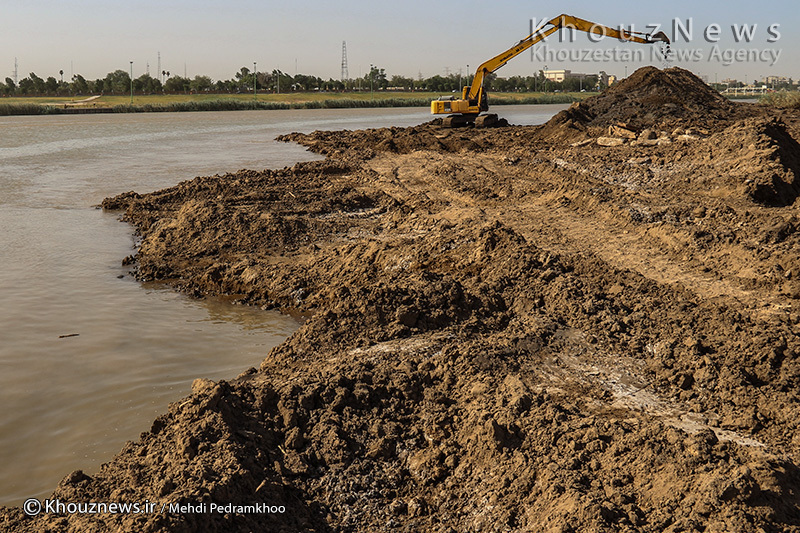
(586, 326)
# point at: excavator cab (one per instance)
(464, 111)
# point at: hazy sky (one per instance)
(411, 37)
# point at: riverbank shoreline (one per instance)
(266, 102)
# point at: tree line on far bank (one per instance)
(119, 82)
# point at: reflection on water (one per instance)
(88, 356)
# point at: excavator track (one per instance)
(458, 121)
(480, 121)
(486, 121)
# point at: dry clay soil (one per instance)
(511, 329)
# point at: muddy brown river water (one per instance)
(89, 356)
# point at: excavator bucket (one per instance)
(660, 37)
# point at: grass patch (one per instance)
(782, 99)
(24, 109)
(560, 98)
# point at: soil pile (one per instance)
(501, 335)
(755, 158)
(650, 98)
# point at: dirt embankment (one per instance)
(517, 329)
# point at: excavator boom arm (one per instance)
(561, 21)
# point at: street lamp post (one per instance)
(255, 77)
(131, 82)
(544, 73)
(371, 75)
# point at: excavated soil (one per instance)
(515, 329)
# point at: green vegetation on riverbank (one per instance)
(235, 102)
(782, 99)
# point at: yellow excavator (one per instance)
(467, 110)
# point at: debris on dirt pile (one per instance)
(503, 334)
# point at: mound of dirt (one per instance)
(652, 96)
(755, 158)
(649, 98)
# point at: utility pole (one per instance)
(544, 73)
(255, 79)
(530, 32)
(345, 72)
(16, 68)
(131, 82)
(371, 90)
(159, 72)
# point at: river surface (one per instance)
(88, 356)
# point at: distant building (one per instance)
(561, 75)
(775, 80)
